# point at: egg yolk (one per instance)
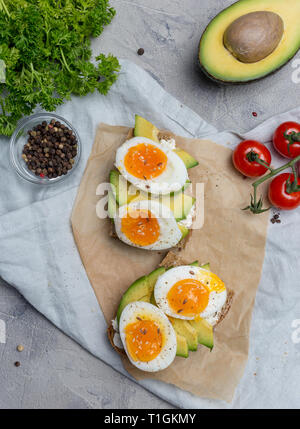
(212, 282)
(145, 161)
(188, 297)
(144, 340)
(140, 227)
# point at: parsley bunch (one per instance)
(45, 46)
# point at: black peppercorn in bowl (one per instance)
(45, 148)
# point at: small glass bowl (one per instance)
(19, 139)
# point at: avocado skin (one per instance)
(228, 82)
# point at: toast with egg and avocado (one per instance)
(149, 181)
(189, 333)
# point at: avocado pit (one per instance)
(254, 36)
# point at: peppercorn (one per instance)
(276, 218)
(50, 149)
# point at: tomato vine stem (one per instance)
(256, 205)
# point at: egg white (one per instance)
(172, 179)
(167, 280)
(170, 233)
(147, 310)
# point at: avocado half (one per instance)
(220, 65)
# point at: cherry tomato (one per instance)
(244, 165)
(282, 144)
(278, 195)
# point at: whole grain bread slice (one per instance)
(111, 334)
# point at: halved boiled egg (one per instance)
(189, 292)
(147, 224)
(150, 166)
(147, 336)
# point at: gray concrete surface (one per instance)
(56, 372)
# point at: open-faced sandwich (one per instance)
(148, 203)
(168, 312)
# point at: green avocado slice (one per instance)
(122, 190)
(206, 266)
(111, 205)
(135, 292)
(184, 328)
(189, 160)
(140, 290)
(144, 128)
(182, 346)
(204, 331)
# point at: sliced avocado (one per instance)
(144, 128)
(152, 299)
(182, 346)
(111, 205)
(195, 264)
(118, 186)
(123, 191)
(206, 266)
(140, 290)
(222, 64)
(184, 328)
(204, 331)
(137, 290)
(184, 230)
(179, 203)
(185, 186)
(188, 160)
(152, 279)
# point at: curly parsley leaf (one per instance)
(46, 48)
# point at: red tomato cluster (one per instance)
(252, 158)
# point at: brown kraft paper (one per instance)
(232, 240)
